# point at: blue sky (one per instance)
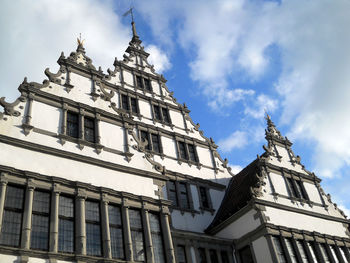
(227, 60)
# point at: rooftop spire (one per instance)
(135, 37)
(271, 130)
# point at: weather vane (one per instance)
(129, 12)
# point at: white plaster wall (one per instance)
(216, 198)
(177, 118)
(74, 170)
(45, 117)
(279, 183)
(204, 156)
(116, 79)
(128, 78)
(312, 192)
(9, 259)
(112, 136)
(169, 146)
(145, 108)
(188, 222)
(195, 197)
(82, 86)
(261, 250)
(305, 222)
(241, 226)
(155, 87)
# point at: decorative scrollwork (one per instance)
(55, 77)
(9, 108)
(105, 95)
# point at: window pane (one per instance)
(155, 143)
(147, 84)
(213, 256)
(144, 137)
(66, 207)
(72, 124)
(125, 104)
(139, 82)
(182, 149)
(165, 115)
(343, 253)
(291, 187)
(137, 245)
(157, 240)
(312, 251)
(14, 197)
(135, 219)
(302, 252)
(202, 256)
(117, 245)
(172, 192)
(40, 232)
(92, 211)
(279, 250)
(89, 129)
(224, 257)
(41, 202)
(192, 153)
(246, 255)
(291, 251)
(66, 235)
(114, 215)
(10, 235)
(334, 254)
(93, 239)
(300, 189)
(156, 112)
(184, 202)
(133, 105)
(181, 254)
(204, 197)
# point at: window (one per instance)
(89, 129)
(246, 255)
(324, 253)
(157, 240)
(296, 188)
(153, 141)
(115, 227)
(291, 250)
(181, 254)
(279, 250)
(161, 114)
(334, 253)
(224, 257)
(213, 256)
(204, 192)
(312, 251)
(187, 151)
(66, 224)
(129, 103)
(137, 235)
(343, 253)
(172, 195)
(302, 252)
(12, 217)
(202, 256)
(93, 228)
(73, 124)
(143, 83)
(184, 201)
(40, 221)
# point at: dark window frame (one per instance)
(161, 113)
(95, 223)
(295, 188)
(177, 194)
(138, 230)
(204, 198)
(129, 103)
(144, 83)
(150, 136)
(66, 218)
(82, 126)
(183, 152)
(116, 226)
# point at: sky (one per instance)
(228, 60)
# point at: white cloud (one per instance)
(158, 58)
(236, 140)
(260, 105)
(235, 169)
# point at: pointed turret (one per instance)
(135, 43)
(273, 135)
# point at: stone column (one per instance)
(207, 255)
(106, 236)
(127, 232)
(80, 236)
(3, 182)
(168, 242)
(81, 124)
(27, 215)
(97, 128)
(64, 119)
(147, 234)
(188, 252)
(54, 219)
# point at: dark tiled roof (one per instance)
(238, 194)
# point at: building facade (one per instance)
(109, 167)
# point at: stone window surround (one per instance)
(152, 131)
(293, 179)
(305, 236)
(129, 95)
(207, 245)
(189, 196)
(161, 106)
(80, 141)
(187, 141)
(143, 77)
(104, 196)
(207, 189)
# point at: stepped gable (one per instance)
(249, 183)
(104, 89)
